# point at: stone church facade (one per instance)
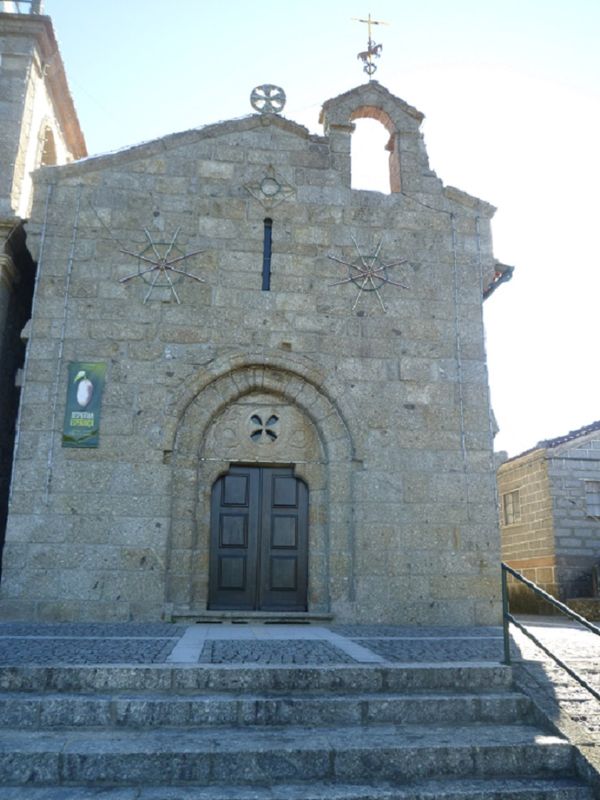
(294, 410)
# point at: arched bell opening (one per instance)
(374, 134)
(370, 169)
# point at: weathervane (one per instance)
(373, 50)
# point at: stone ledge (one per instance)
(266, 617)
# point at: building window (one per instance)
(592, 498)
(267, 248)
(511, 504)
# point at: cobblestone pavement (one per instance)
(407, 650)
(239, 644)
(401, 631)
(100, 630)
(84, 651)
(65, 643)
(242, 643)
(301, 652)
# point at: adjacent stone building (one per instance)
(38, 125)
(283, 380)
(550, 512)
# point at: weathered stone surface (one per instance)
(378, 399)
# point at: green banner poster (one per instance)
(82, 413)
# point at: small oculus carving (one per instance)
(264, 431)
(271, 189)
(267, 99)
(368, 272)
(156, 265)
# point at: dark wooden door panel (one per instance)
(235, 490)
(232, 573)
(284, 531)
(233, 530)
(234, 539)
(259, 540)
(284, 542)
(284, 491)
(283, 574)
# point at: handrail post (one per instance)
(505, 617)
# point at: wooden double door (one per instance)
(259, 540)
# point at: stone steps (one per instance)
(466, 676)
(243, 756)
(365, 732)
(150, 710)
(477, 789)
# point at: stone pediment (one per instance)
(173, 141)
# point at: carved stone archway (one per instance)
(261, 414)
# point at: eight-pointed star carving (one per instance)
(368, 272)
(161, 258)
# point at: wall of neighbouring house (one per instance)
(576, 532)
(528, 544)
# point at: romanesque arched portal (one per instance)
(260, 417)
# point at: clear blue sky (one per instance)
(511, 95)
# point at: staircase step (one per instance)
(249, 756)
(51, 710)
(256, 678)
(488, 789)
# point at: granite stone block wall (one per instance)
(368, 348)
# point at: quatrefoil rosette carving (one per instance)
(260, 428)
(264, 430)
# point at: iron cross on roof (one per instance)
(373, 50)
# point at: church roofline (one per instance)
(41, 27)
(470, 201)
(171, 141)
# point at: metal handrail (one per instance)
(507, 618)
